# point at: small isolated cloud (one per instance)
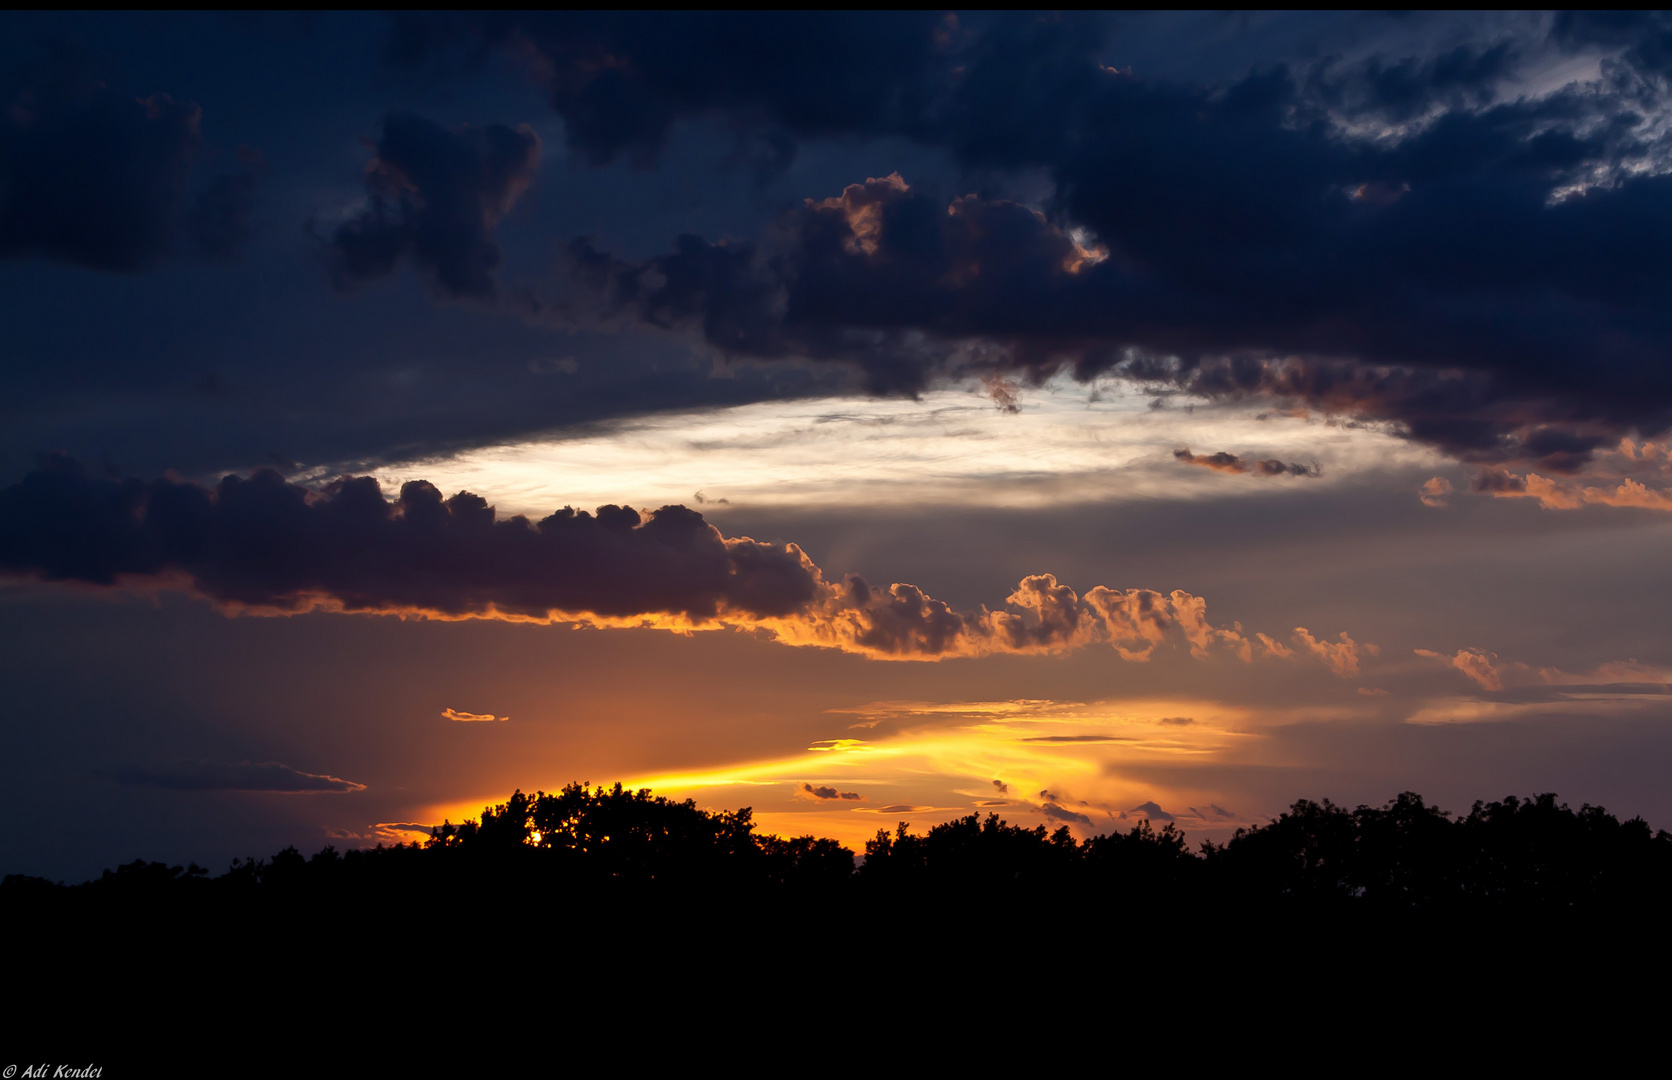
(1477, 664)
(1214, 812)
(237, 776)
(1434, 492)
(1058, 813)
(1372, 691)
(1151, 811)
(1075, 738)
(1231, 463)
(993, 802)
(1178, 720)
(471, 717)
(831, 793)
(1004, 788)
(900, 808)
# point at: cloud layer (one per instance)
(264, 545)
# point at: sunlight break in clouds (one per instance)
(1029, 761)
(1067, 443)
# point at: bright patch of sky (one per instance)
(1067, 443)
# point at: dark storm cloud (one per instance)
(263, 543)
(1489, 269)
(89, 175)
(237, 776)
(435, 195)
(621, 80)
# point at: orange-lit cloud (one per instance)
(1436, 491)
(1477, 664)
(1231, 463)
(1342, 655)
(263, 546)
(470, 717)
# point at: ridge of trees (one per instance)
(1533, 853)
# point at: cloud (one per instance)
(88, 175)
(262, 545)
(1177, 720)
(1477, 664)
(1057, 813)
(1003, 788)
(435, 195)
(237, 776)
(1342, 655)
(470, 717)
(1151, 811)
(1553, 494)
(1075, 738)
(1435, 491)
(1397, 244)
(831, 793)
(1226, 462)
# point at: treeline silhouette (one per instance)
(1513, 854)
(599, 931)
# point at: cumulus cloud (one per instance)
(262, 545)
(1435, 491)
(435, 195)
(1341, 655)
(470, 717)
(1554, 494)
(823, 793)
(1477, 664)
(237, 776)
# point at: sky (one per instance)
(864, 418)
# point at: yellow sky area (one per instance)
(926, 762)
(1068, 443)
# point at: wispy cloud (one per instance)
(237, 776)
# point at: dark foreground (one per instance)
(611, 933)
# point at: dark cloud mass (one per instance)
(263, 543)
(1391, 237)
(435, 195)
(88, 175)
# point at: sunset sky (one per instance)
(861, 418)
